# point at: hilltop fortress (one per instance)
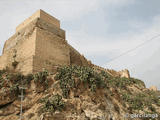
(40, 43)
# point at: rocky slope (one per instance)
(76, 93)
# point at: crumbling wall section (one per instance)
(19, 50)
(123, 73)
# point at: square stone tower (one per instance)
(39, 43)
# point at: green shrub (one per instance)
(28, 78)
(52, 104)
(137, 81)
(15, 78)
(139, 101)
(41, 78)
(1, 82)
(86, 75)
(123, 82)
(105, 74)
(2, 72)
(14, 89)
(153, 96)
(92, 79)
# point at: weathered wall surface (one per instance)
(25, 53)
(51, 50)
(3, 62)
(123, 73)
(153, 88)
(76, 58)
(49, 19)
(50, 27)
(39, 14)
(20, 36)
(39, 43)
(20, 48)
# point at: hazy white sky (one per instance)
(99, 29)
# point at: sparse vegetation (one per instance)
(2, 72)
(13, 80)
(40, 78)
(78, 77)
(1, 81)
(28, 78)
(1, 77)
(90, 78)
(139, 101)
(14, 90)
(85, 75)
(52, 103)
(122, 83)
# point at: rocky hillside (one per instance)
(76, 93)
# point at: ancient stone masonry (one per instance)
(153, 88)
(39, 43)
(123, 73)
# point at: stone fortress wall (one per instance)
(21, 48)
(39, 43)
(40, 14)
(123, 73)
